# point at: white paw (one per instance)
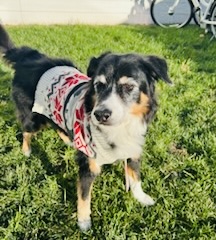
(145, 199)
(84, 225)
(138, 193)
(27, 153)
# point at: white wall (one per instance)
(74, 11)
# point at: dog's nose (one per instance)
(102, 115)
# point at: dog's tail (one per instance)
(16, 55)
(5, 42)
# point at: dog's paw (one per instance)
(138, 193)
(27, 153)
(145, 199)
(84, 225)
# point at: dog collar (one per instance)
(60, 97)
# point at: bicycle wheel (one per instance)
(171, 13)
(213, 18)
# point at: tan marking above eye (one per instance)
(141, 108)
(101, 79)
(128, 83)
(127, 80)
(123, 80)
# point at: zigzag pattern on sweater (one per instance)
(60, 97)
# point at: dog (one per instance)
(104, 114)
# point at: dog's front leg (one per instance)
(133, 171)
(87, 172)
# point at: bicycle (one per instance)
(178, 13)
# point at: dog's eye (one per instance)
(99, 86)
(128, 87)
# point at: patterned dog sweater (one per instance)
(60, 97)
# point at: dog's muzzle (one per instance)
(103, 115)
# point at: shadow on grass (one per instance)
(7, 110)
(67, 182)
(7, 113)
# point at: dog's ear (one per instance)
(93, 64)
(158, 68)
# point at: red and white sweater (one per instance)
(60, 97)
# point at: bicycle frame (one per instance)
(204, 13)
(172, 8)
(198, 5)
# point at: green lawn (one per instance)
(38, 194)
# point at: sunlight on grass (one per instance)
(38, 195)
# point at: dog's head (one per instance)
(123, 85)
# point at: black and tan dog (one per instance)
(103, 115)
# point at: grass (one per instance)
(38, 194)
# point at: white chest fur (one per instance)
(119, 142)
